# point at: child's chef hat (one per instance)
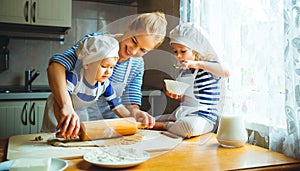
(192, 37)
(97, 48)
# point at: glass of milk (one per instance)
(231, 131)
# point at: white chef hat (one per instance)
(193, 37)
(97, 48)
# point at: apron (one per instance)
(120, 87)
(101, 109)
(189, 103)
(80, 107)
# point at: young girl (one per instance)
(89, 80)
(198, 111)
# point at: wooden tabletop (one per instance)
(200, 153)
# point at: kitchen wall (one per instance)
(161, 59)
(159, 62)
(87, 17)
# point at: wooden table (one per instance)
(200, 153)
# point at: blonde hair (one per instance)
(199, 57)
(153, 23)
(80, 47)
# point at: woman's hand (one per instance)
(141, 116)
(68, 122)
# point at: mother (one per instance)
(144, 33)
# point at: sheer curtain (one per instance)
(289, 144)
(260, 40)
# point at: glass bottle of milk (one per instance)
(231, 130)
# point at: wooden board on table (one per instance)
(26, 146)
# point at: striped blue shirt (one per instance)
(132, 93)
(88, 93)
(207, 92)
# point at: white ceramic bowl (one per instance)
(116, 157)
(56, 164)
(176, 87)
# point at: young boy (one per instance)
(97, 57)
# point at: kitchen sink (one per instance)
(21, 89)
(18, 93)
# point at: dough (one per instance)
(124, 140)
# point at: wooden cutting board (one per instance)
(26, 146)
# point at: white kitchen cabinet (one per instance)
(56, 13)
(21, 117)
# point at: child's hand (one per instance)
(174, 96)
(189, 64)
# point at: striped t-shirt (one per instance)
(132, 93)
(88, 93)
(207, 92)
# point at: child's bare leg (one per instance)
(165, 118)
(160, 126)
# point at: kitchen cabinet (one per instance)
(56, 13)
(21, 117)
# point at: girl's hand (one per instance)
(174, 96)
(190, 64)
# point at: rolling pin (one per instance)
(108, 128)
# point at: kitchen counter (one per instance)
(24, 95)
(200, 153)
(43, 94)
(19, 93)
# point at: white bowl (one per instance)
(176, 87)
(116, 157)
(56, 164)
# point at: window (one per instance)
(259, 39)
(248, 35)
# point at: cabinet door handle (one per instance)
(32, 114)
(24, 112)
(33, 12)
(26, 11)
